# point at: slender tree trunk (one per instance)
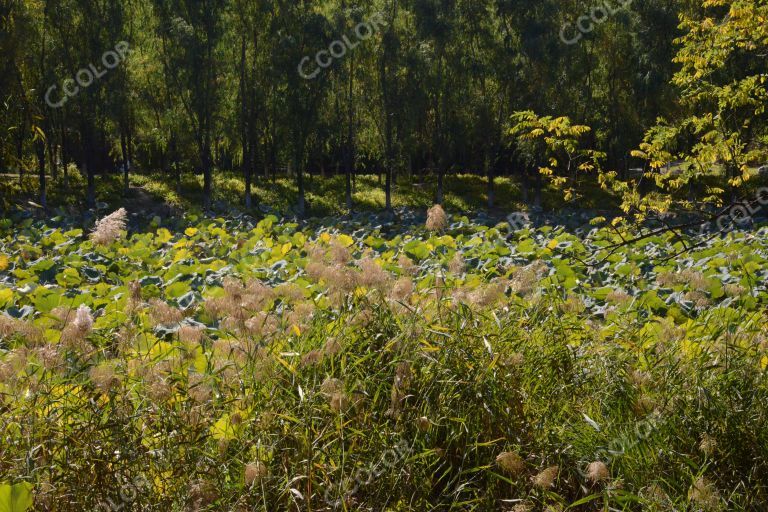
(64, 153)
(524, 186)
(88, 166)
(124, 149)
(205, 158)
(52, 158)
(244, 124)
(489, 172)
(91, 194)
(298, 165)
(248, 180)
(128, 153)
(247, 175)
(439, 195)
(349, 152)
(20, 155)
(388, 170)
(386, 93)
(41, 168)
(440, 128)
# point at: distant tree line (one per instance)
(395, 87)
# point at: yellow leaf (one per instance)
(6, 295)
(163, 235)
(552, 244)
(181, 255)
(286, 248)
(764, 362)
(325, 237)
(345, 240)
(296, 330)
(190, 231)
(3, 262)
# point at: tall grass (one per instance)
(456, 383)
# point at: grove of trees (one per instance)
(391, 87)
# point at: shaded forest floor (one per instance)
(160, 194)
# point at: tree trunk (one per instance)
(246, 146)
(349, 153)
(88, 166)
(128, 154)
(20, 155)
(52, 160)
(539, 185)
(124, 150)
(489, 172)
(247, 171)
(297, 163)
(439, 195)
(205, 159)
(64, 154)
(91, 194)
(388, 170)
(525, 186)
(41, 168)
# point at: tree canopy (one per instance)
(390, 87)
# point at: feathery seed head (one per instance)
(511, 463)
(546, 478)
(437, 220)
(110, 228)
(598, 472)
(255, 472)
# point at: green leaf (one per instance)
(45, 300)
(70, 277)
(417, 249)
(177, 289)
(15, 498)
(526, 246)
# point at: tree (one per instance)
(302, 32)
(723, 129)
(555, 147)
(190, 32)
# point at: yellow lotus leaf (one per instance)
(163, 235)
(345, 240)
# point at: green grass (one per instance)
(325, 196)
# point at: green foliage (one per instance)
(722, 81)
(240, 363)
(555, 147)
(16, 498)
(214, 86)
